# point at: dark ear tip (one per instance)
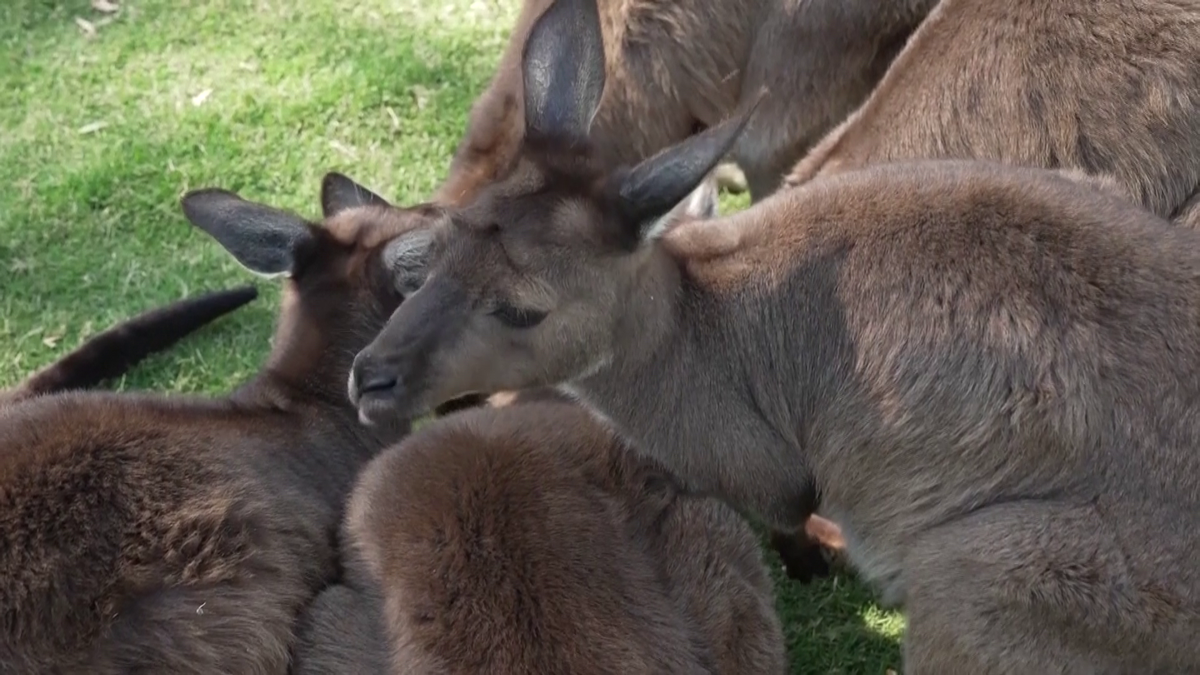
(334, 179)
(201, 193)
(194, 200)
(332, 183)
(340, 192)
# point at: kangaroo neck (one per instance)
(692, 401)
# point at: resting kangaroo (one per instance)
(114, 351)
(677, 65)
(1107, 89)
(986, 372)
(156, 533)
(548, 43)
(531, 539)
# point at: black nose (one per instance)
(376, 382)
(368, 377)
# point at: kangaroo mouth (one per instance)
(382, 400)
(378, 397)
(375, 407)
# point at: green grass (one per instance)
(100, 134)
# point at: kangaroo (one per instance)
(836, 36)
(184, 534)
(675, 66)
(1109, 89)
(496, 130)
(985, 372)
(114, 351)
(341, 633)
(532, 539)
(701, 203)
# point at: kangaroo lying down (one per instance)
(184, 534)
(530, 539)
(844, 49)
(987, 373)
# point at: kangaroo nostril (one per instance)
(376, 382)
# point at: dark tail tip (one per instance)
(113, 352)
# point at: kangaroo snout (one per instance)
(369, 376)
(373, 387)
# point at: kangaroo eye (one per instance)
(516, 317)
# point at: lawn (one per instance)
(107, 117)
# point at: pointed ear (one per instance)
(406, 258)
(563, 70)
(701, 204)
(263, 239)
(658, 184)
(339, 192)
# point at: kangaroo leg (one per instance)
(1030, 588)
(802, 558)
(806, 553)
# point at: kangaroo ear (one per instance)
(262, 238)
(651, 189)
(339, 192)
(563, 70)
(700, 204)
(406, 257)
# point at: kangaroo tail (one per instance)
(113, 352)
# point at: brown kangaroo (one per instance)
(1109, 89)
(845, 48)
(986, 373)
(170, 533)
(114, 351)
(677, 65)
(532, 539)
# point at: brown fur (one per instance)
(678, 65)
(1110, 89)
(341, 633)
(157, 533)
(112, 352)
(707, 58)
(529, 539)
(674, 67)
(986, 373)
